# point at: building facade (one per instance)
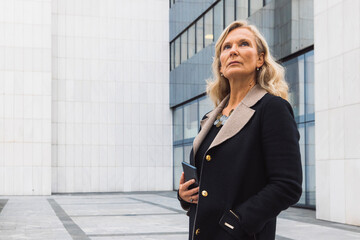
(288, 26)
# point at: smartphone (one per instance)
(190, 172)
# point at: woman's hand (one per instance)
(190, 196)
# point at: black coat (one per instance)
(254, 172)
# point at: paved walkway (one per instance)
(130, 216)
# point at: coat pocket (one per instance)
(230, 222)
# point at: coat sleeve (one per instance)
(280, 145)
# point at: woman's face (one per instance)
(239, 57)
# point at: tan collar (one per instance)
(237, 120)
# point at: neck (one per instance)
(238, 90)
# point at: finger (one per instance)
(182, 178)
(193, 191)
(195, 198)
(188, 183)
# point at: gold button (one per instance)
(208, 158)
(204, 193)
(197, 232)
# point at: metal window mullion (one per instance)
(187, 44)
(213, 22)
(224, 14)
(234, 10)
(170, 56)
(183, 131)
(203, 35)
(195, 25)
(180, 49)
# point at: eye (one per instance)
(227, 46)
(244, 44)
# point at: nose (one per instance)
(233, 50)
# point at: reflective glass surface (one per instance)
(178, 124)
(301, 129)
(177, 52)
(190, 120)
(309, 86)
(300, 77)
(229, 12)
(178, 158)
(183, 40)
(218, 20)
(187, 151)
(205, 106)
(199, 34)
(172, 54)
(310, 163)
(255, 5)
(241, 9)
(191, 41)
(209, 35)
(295, 78)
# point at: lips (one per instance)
(233, 62)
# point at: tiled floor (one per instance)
(130, 216)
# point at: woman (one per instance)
(247, 151)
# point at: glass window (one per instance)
(187, 151)
(310, 163)
(205, 106)
(309, 86)
(218, 19)
(172, 55)
(301, 129)
(190, 120)
(177, 52)
(255, 5)
(191, 41)
(209, 37)
(178, 158)
(300, 77)
(229, 12)
(199, 35)
(178, 124)
(183, 39)
(295, 78)
(241, 9)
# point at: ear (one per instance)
(260, 60)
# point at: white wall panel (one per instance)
(337, 84)
(107, 85)
(25, 97)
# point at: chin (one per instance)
(238, 74)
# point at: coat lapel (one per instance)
(206, 125)
(240, 116)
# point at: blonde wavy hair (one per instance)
(270, 76)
